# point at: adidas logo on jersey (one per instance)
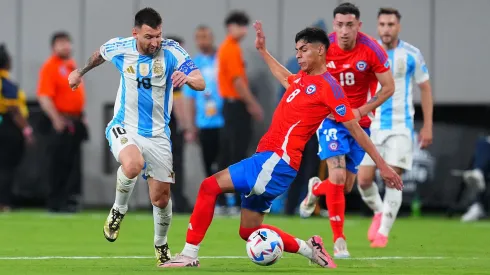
(331, 64)
(130, 70)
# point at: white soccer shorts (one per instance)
(156, 152)
(396, 148)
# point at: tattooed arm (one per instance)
(387, 90)
(75, 77)
(95, 60)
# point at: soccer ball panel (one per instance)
(264, 247)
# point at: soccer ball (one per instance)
(264, 247)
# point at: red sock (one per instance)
(203, 210)
(336, 208)
(320, 189)
(290, 243)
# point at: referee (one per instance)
(14, 130)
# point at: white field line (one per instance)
(223, 257)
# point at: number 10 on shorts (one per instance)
(118, 131)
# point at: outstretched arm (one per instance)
(75, 77)
(95, 60)
(387, 173)
(278, 70)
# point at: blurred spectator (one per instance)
(177, 128)
(310, 162)
(476, 179)
(14, 129)
(239, 103)
(66, 125)
(205, 108)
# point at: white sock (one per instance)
(372, 198)
(304, 249)
(190, 250)
(124, 188)
(161, 220)
(392, 203)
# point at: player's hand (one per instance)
(425, 136)
(179, 79)
(74, 79)
(390, 177)
(59, 124)
(255, 110)
(259, 36)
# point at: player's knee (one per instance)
(210, 186)
(162, 200)
(364, 182)
(132, 166)
(131, 169)
(337, 176)
(246, 232)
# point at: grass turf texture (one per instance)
(40, 243)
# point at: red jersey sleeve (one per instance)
(378, 58)
(335, 99)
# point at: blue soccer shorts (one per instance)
(335, 140)
(260, 179)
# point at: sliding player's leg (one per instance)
(252, 219)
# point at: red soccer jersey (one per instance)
(355, 69)
(305, 104)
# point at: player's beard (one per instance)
(150, 52)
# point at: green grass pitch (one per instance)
(39, 243)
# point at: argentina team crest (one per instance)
(310, 89)
(361, 66)
(400, 69)
(144, 69)
(158, 67)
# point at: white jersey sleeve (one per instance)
(421, 73)
(115, 48)
(184, 62)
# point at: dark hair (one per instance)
(4, 57)
(237, 17)
(390, 11)
(59, 36)
(149, 17)
(313, 35)
(177, 39)
(347, 8)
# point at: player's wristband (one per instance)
(27, 131)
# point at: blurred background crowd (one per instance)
(53, 153)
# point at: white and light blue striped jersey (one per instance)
(144, 98)
(407, 65)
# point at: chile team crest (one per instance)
(361, 66)
(333, 145)
(310, 89)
